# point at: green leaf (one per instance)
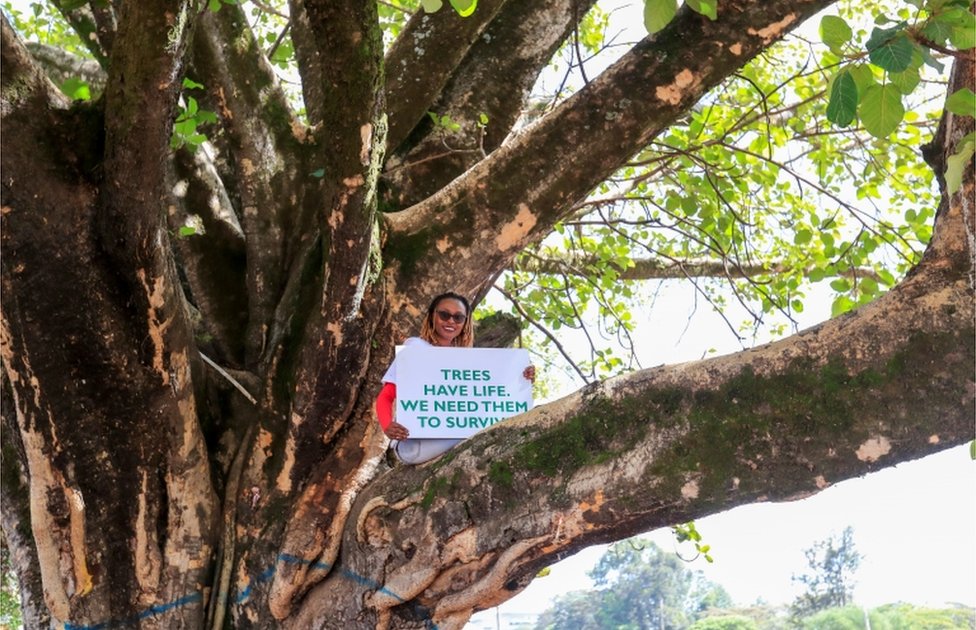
(956, 164)
(76, 89)
(881, 110)
(842, 106)
(708, 8)
(190, 84)
(863, 77)
(972, 449)
(186, 230)
(957, 16)
(937, 30)
(962, 102)
(840, 285)
(906, 81)
(431, 6)
(880, 35)
(464, 8)
(894, 54)
(319, 174)
(835, 32)
(206, 116)
(185, 127)
(931, 61)
(213, 5)
(841, 305)
(658, 13)
(963, 37)
(802, 237)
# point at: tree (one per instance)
(889, 617)
(639, 586)
(725, 622)
(188, 438)
(830, 580)
(904, 616)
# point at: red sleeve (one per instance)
(384, 404)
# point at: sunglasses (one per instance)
(457, 317)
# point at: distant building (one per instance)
(496, 620)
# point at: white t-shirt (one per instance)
(390, 375)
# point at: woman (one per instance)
(447, 324)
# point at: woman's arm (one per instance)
(384, 404)
(384, 413)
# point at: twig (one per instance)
(230, 378)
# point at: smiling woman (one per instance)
(446, 325)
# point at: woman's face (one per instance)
(449, 316)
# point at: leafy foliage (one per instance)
(10, 614)
(752, 199)
(897, 53)
(729, 622)
(639, 586)
(185, 129)
(687, 532)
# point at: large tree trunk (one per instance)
(188, 438)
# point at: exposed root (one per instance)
(466, 600)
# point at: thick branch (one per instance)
(654, 269)
(494, 80)
(140, 100)
(264, 145)
(94, 24)
(61, 65)
(340, 57)
(667, 445)
(515, 196)
(23, 84)
(424, 57)
(96, 343)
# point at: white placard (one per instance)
(456, 392)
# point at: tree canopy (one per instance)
(639, 585)
(219, 218)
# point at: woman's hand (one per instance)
(529, 373)
(396, 431)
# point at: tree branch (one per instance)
(60, 65)
(213, 259)
(23, 83)
(94, 25)
(493, 80)
(264, 148)
(514, 196)
(424, 57)
(672, 444)
(655, 269)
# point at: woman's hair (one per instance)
(465, 339)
